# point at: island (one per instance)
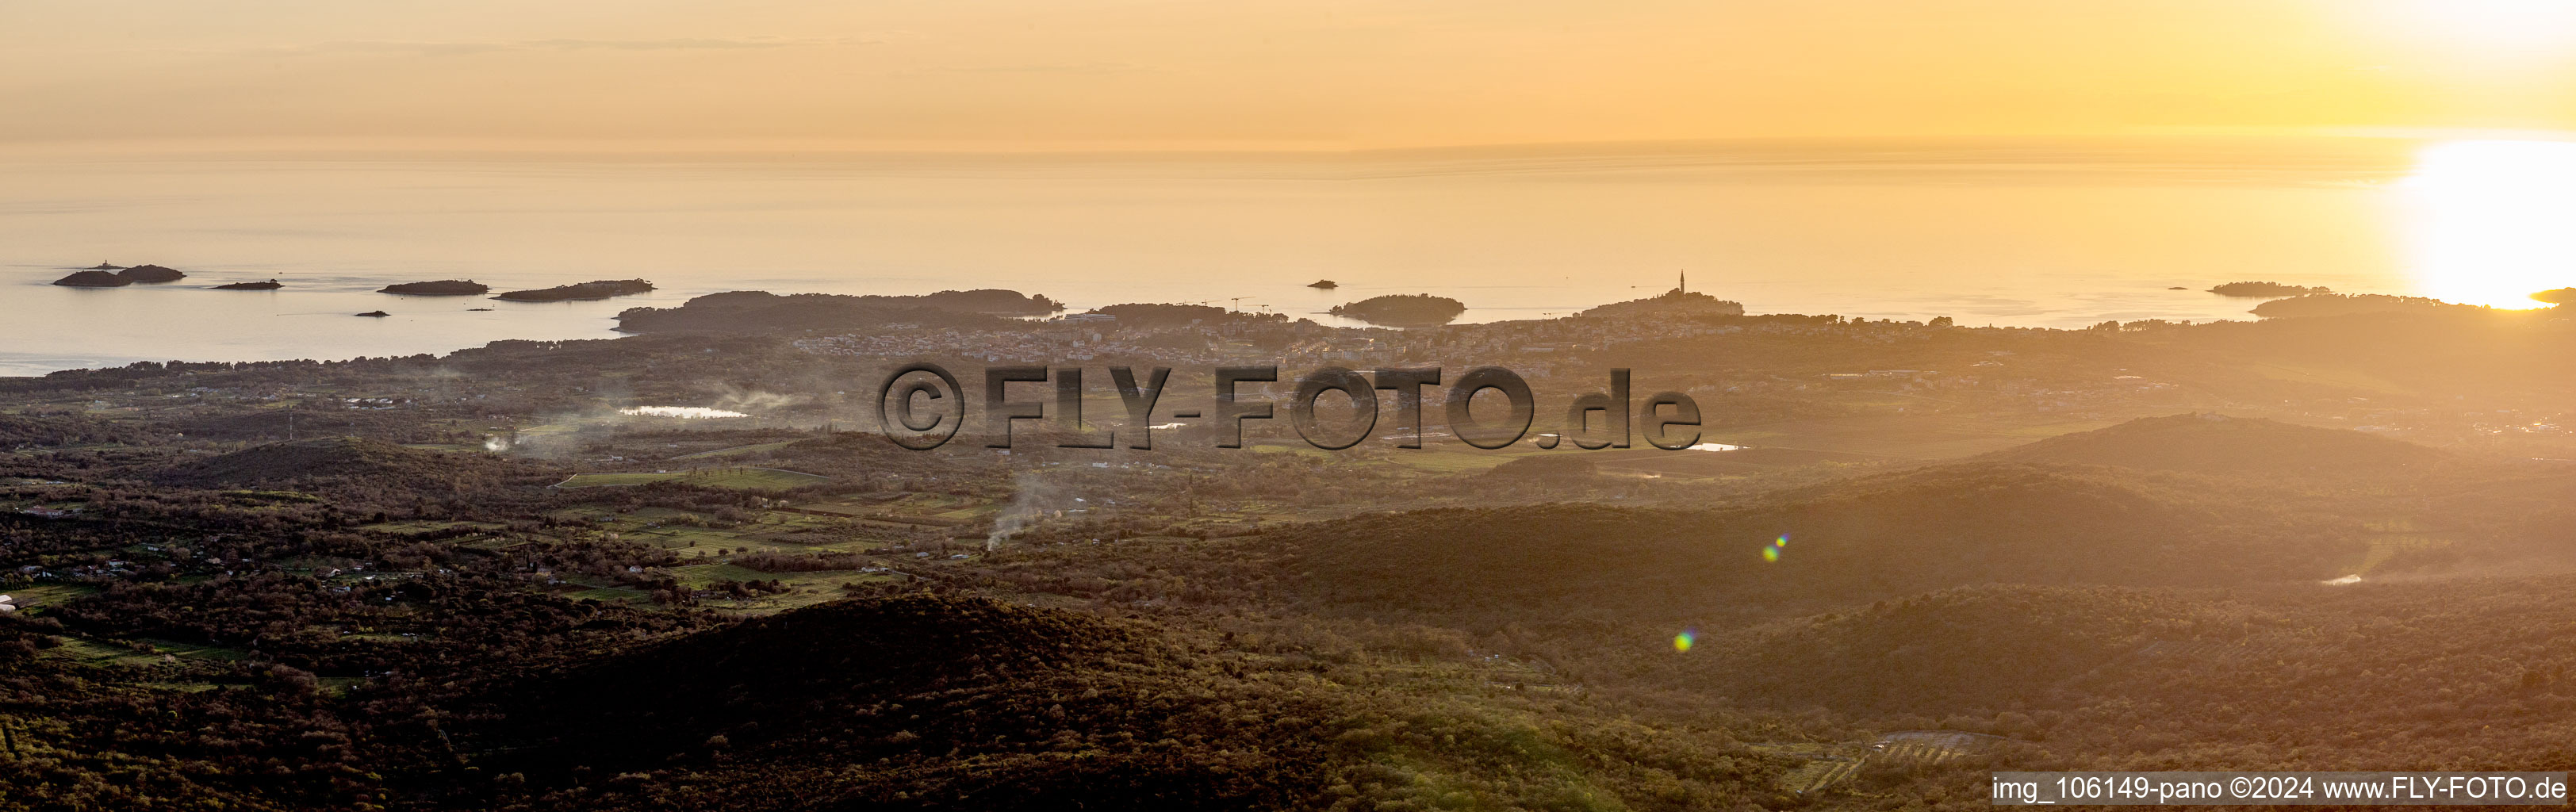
(93, 279)
(443, 287)
(268, 285)
(1326, 284)
(1403, 310)
(151, 273)
(375, 314)
(759, 311)
(2559, 296)
(103, 266)
(2266, 290)
(600, 289)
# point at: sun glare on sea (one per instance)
(2493, 221)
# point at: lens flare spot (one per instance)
(1770, 553)
(1782, 541)
(1683, 641)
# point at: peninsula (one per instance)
(2266, 290)
(2331, 304)
(1675, 302)
(600, 289)
(762, 311)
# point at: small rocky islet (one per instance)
(93, 279)
(150, 274)
(107, 275)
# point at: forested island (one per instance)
(599, 289)
(444, 287)
(1403, 310)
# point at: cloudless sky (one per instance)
(1006, 74)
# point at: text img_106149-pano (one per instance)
(921, 406)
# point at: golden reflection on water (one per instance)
(2493, 222)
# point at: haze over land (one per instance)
(2117, 384)
(665, 559)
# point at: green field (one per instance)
(740, 449)
(807, 588)
(98, 654)
(38, 597)
(737, 478)
(415, 526)
(680, 531)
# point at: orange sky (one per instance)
(1001, 74)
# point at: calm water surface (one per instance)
(2037, 234)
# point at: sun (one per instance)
(2490, 220)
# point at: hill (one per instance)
(921, 701)
(2218, 444)
(930, 701)
(1829, 545)
(55, 430)
(1940, 652)
(352, 462)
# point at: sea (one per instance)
(2039, 233)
